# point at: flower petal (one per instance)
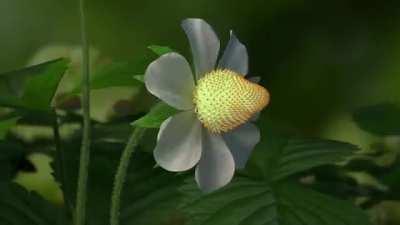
(254, 79)
(162, 127)
(179, 145)
(170, 79)
(216, 167)
(204, 44)
(235, 56)
(255, 117)
(241, 142)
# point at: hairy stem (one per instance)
(81, 196)
(121, 174)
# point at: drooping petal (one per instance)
(241, 142)
(204, 44)
(170, 79)
(216, 167)
(179, 145)
(235, 56)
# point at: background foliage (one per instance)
(330, 138)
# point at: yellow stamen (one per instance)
(224, 100)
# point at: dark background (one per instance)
(319, 59)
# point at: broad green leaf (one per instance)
(114, 75)
(41, 89)
(33, 87)
(20, 207)
(117, 74)
(382, 119)
(160, 50)
(249, 202)
(278, 156)
(266, 194)
(156, 116)
(150, 196)
(6, 124)
(121, 74)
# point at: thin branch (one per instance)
(81, 197)
(120, 176)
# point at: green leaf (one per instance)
(6, 124)
(115, 75)
(41, 89)
(160, 50)
(123, 74)
(119, 74)
(249, 202)
(265, 193)
(20, 207)
(278, 156)
(33, 87)
(158, 114)
(382, 119)
(150, 195)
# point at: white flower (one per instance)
(212, 131)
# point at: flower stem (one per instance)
(120, 176)
(81, 196)
(60, 158)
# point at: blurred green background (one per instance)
(319, 59)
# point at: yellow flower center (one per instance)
(224, 100)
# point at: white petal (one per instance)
(235, 56)
(254, 79)
(241, 142)
(216, 167)
(255, 117)
(204, 43)
(179, 145)
(162, 127)
(170, 79)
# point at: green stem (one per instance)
(81, 196)
(60, 158)
(120, 176)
